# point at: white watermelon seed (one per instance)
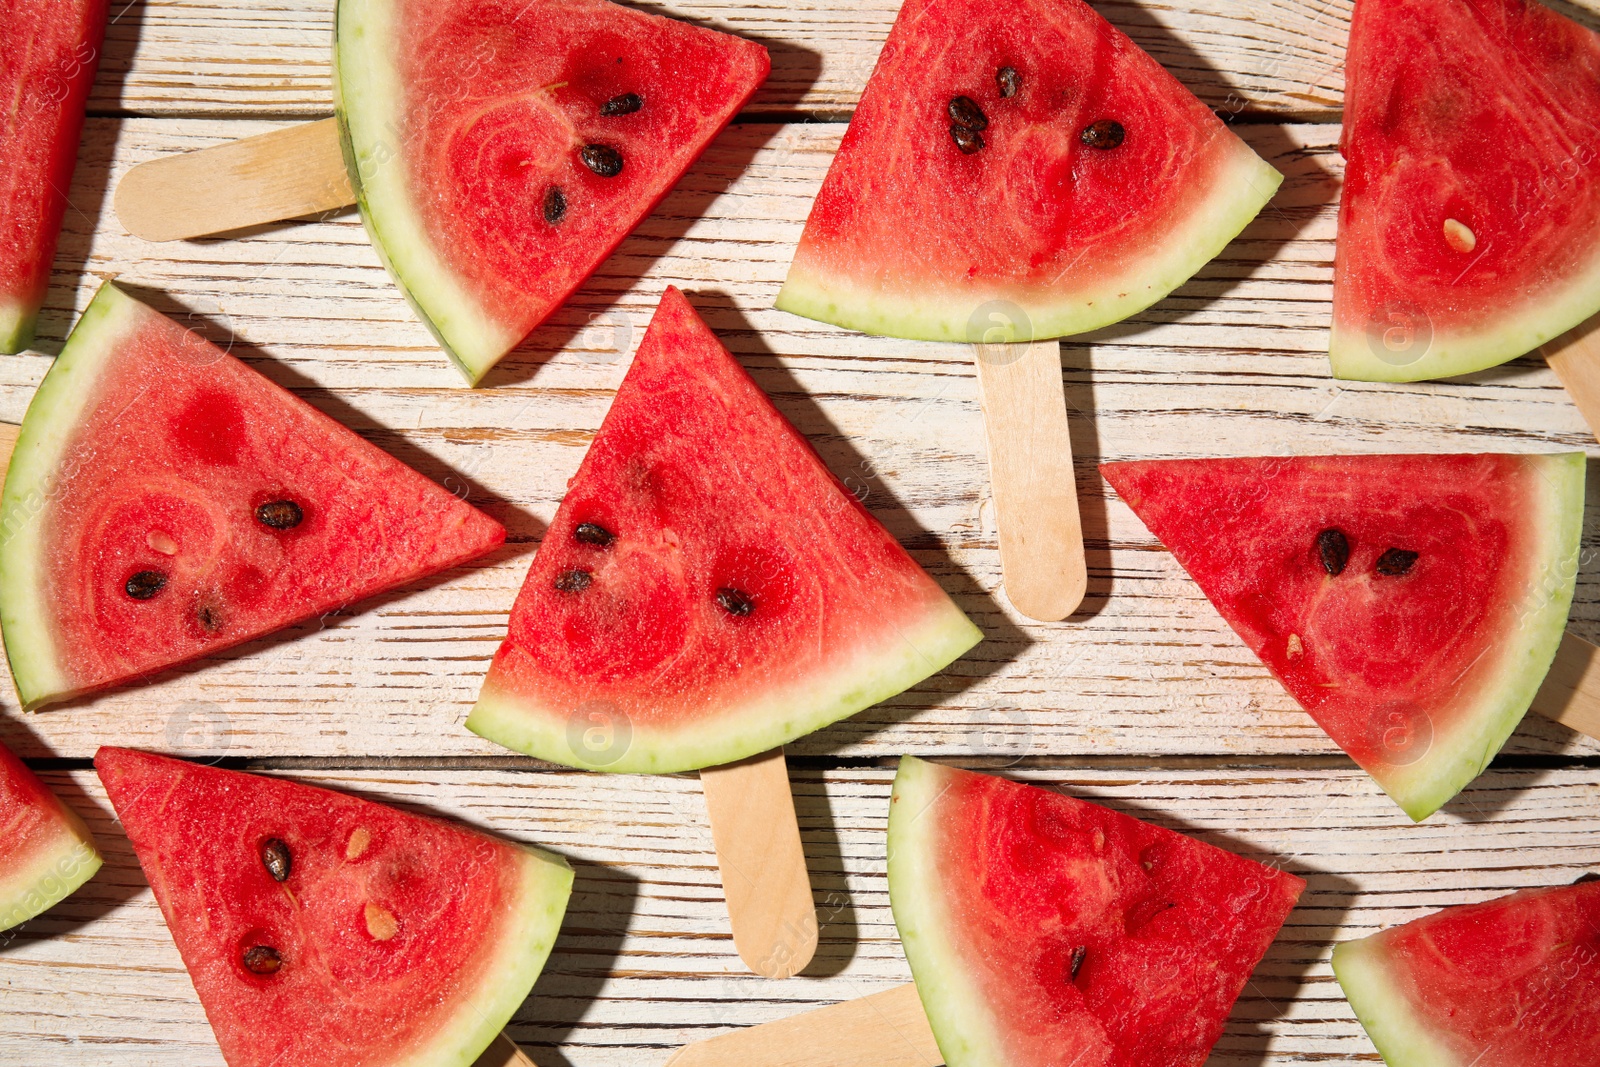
(1459, 237)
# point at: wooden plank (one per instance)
(1232, 363)
(190, 57)
(646, 965)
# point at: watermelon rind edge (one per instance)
(1241, 188)
(965, 1030)
(1423, 787)
(910, 654)
(367, 100)
(1518, 329)
(17, 321)
(54, 414)
(51, 874)
(1401, 1037)
(520, 956)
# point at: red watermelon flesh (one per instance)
(1421, 650)
(1513, 982)
(48, 57)
(707, 590)
(1014, 171)
(45, 851)
(467, 126)
(1469, 229)
(165, 502)
(1044, 931)
(390, 938)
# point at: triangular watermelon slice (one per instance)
(45, 850)
(1513, 982)
(1017, 170)
(1411, 604)
(501, 149)
(707, 590)
(1044, 931)
(165, 502)
(319, 928)
(48, 56)
(1469, 229)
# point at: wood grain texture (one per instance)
(1232, 363)
(298, 170)
(193, 57)
(761, 864)
(1571, 691)
(645, 965)
(1031, 479)
(887, 1029)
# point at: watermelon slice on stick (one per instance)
(45, 851)
(165, 502)
(48, 58)
(1510, 982)
(1041, 930)
(1469, 231)
(500, 150)
(1411, 603)
(706, 592)
(321, 928)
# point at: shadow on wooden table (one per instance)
(838, 933)
(725, 160)
(588, 950)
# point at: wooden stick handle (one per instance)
(279, 175)
(1575, 357)
(887, 1029)
(763, 866)
(503, 1053)
(8, 444)
(1571, 691)
(1030, 470)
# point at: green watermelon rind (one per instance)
(367, 98)
(1456, 759)
(1517, 330)
(51, 874)
(17, 321)
(965, 1030)
(1241, 188)
(1400, 1035)
(53, 416)
(521, 949)
(909, 654)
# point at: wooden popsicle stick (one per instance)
(762, 864)
(502, 1052)
(1575, 357)
(887, 1029)
(249, 182)
(1571, 691)
(1030, 470)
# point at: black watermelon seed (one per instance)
(275, 858)
(555, 205)
(622, 104)
(964, 111)
(210, 618)
(734, 602)
(1077, 960)
(1396, 561)
(1105, 134)
(602, 159)
(573, 581)
(1008, 80)
(1334, 548)
(145, 584)
(591, 533)
(280, 514)
(966, 140)
(262, 959)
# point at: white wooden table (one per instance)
(1144, 700)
